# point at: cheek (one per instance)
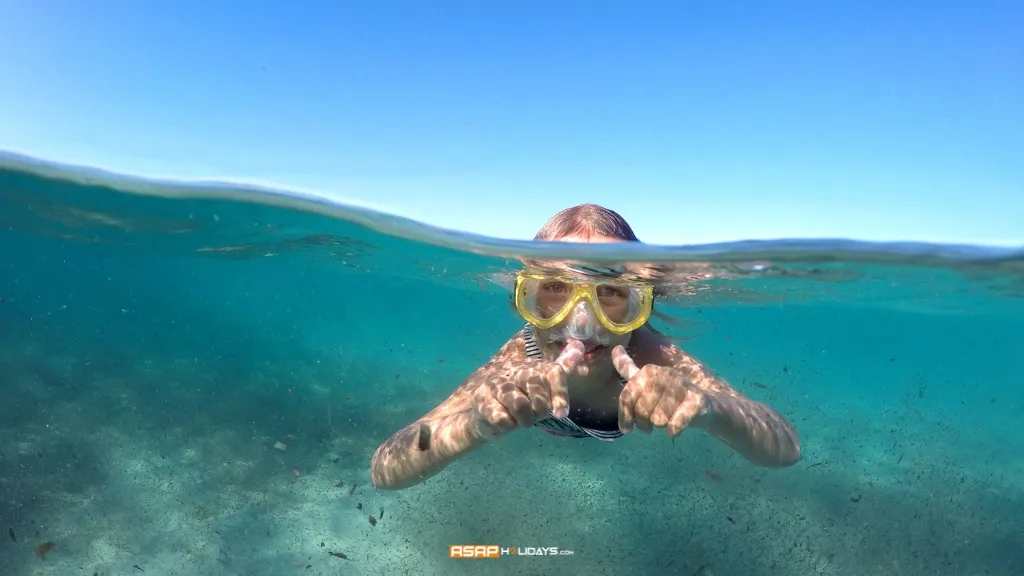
(616, 313)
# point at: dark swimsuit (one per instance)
(565, 427)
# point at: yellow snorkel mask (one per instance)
(553, 302)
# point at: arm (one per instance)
(754, 430)
(401, 463)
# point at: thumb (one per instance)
(571, 355)
(623, 363)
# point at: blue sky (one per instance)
(698, 121)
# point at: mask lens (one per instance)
(615, 302)
(543, 301)
(551, 297)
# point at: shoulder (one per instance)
(653, 347)
(503, 361)
(512, 351)
(648, 346)
(507, 356)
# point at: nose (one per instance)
(581, 319)
(581, 325)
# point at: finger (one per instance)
(627, 404)
(665, 409)
(576, 366)
(558, 385)
(571, 356)
(516, 402)
(623, 363)
(683, 415)
(539, 392)
(492, 412)
(647, 404)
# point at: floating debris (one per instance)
(280, 446)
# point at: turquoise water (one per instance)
(157, 344)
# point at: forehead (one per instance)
(555, 267)
(589, 238)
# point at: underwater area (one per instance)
(193, 380)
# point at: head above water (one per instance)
(587, 223)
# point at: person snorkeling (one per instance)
(586, 365)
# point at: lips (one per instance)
(591, 349)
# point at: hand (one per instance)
(656, 396)
(520, 394)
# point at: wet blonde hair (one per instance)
(586, 220)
